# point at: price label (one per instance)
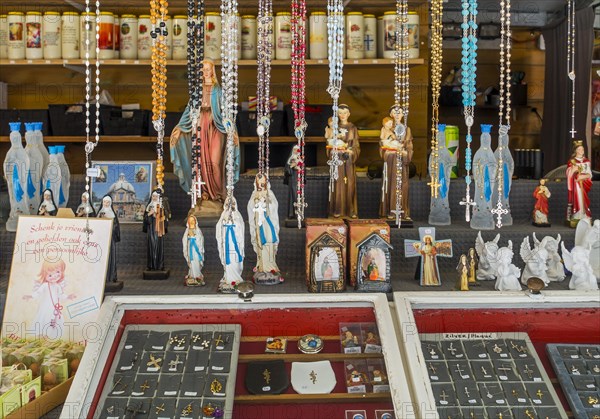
(522, 400)
(482, 355)
(190, 393)
(537, 401)
(503, 355)
(499, 401)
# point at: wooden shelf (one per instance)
(140, 139)
(333, 357)
(314, 398)
(183, 63)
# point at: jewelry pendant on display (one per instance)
(400, 130)
(469, 121)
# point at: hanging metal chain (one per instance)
(263, 87)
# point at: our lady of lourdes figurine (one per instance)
(212, 138)
(264, 231)
(230, 241)
(193, 252)
(343, 198)
(579, 185)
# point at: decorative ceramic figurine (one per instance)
(65, 175)
(155, 227)
(290, 179)
(472, 263)
(85, 208)
(484, 175)
(107, 211)
(487, 252)
(540, 210)
(48, 206)
(507, 274)
(193, 252)
(230, 241)
(388, 190)
(439, 209)
(579, 185)
(577, 261)
(428, 248)
(535, 261)
(16, 167)
(52, 176)
(211, 133)
(588, 236)
(343, 197)
(463, 274)
(555, 270)
(36, 164)
(264, 231)
(502, 153)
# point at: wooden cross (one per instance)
(144, 386)
(468, 203)
(154, 362)
(174, 363)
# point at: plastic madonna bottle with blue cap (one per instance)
(65, 176)
(484, 176)
(52, 177)
(441, 168)
(34, 174)
(39, 141)
(16, 166)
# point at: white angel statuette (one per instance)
(577, 261)
(487, 252)
(507, 278)
(588, 236)
(535, 261)
(555, 270)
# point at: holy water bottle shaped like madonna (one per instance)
(65, 176)
(484, 174)
(506, 169)
(16, 167)
(38, 137)
(36, 164)
(52, 177)
(440, 170)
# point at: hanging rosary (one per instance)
(89, 144)
(401, 96)
(469, 74)
(437, 10)
(571, 60)
(335, 44)
(195, 56)
(158, 63)
(229, 66)
(298, 71)
(505, 102)
(263, 83)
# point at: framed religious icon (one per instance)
(326, 265)
(373, 265)
(130, 185)
(428, 249)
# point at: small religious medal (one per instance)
(216, 387)
(313, 377)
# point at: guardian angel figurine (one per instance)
(555, 270)
(487, 252)
(578, 262)
(507, 277)
(588, 236)
(535, 261)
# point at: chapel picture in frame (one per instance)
(326, 265)
(129, 183)
(373, 267)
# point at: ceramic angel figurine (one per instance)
(16, 167)
(264, 231)
(107, 211)
(48, 206)
(535, 261)
(555, 270)
(507, 278)
(540, 209)
(588, 236)
(579, 185)
(578, 262)
(463, 274)
(487, 252)
(230, 241)
(85, 209)
(193, 252)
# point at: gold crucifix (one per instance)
(435, 185)
(267, 376)
(539, 393)
(219, 341)
(160, 408)
(154, 362)
(144, 386)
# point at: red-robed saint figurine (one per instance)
(579, 184)
(540, 209)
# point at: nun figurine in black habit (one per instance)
(155, 227)
(47, 206)
(107, 211)
(85, 209)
